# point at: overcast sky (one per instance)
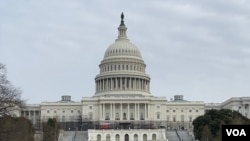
(197, 48)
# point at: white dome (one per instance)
(122, 70)
(122, 47)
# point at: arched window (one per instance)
(144, 137)
(126, 137)
(154, 137)
(107, 137)
(135, 137)
(117, 137)
(98, 137)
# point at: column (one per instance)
(128, 113)
(138, 112)
(145, 114)
(103, 111)
(29, 115)
(103, 85)
(135, 112)
(143, 86)
(121, 111)
(99, 85)
(149, 112)
(125, 81)
(34, 117)
(100, 111)
(129, 83)
(110, 111)
(116, 83)
(111, 83)
(113, 111)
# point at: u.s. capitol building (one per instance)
(123, 98)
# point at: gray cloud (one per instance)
(199, 49)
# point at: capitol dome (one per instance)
(122, 70)
(122, 47)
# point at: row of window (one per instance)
(182, 111)
(126, 137)
(174, 118)
(122, 67)
(55, 111)
(122, 51)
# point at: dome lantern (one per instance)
(122, 29)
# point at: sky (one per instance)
(199, 49)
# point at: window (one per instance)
(154, 137)
(174, 119)
(90, 115)
(47, 111)
(135, 137)
(158, 115)
(63, 118)
(117, 116)
(141, 116)
(55, 112)
(117, 137)
(126, 137)
(182, 118)
(107, 137)
(174, 111)
(167, 111)
(144, 137)
(182, 111)
(158, 107)
(90, 107)
(131, 116)
(98, 137)
(197, 111)
(63, 111)
(190, 111)
(107, 116)
(190, 119)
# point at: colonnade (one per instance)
(32, 115)
(124, 111)
(122, 83)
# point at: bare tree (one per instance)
(10, 97)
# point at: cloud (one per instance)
(196, 48)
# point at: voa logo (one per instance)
(236, 132)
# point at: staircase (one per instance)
(178, 135)
(185, 136)
(73, 136)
